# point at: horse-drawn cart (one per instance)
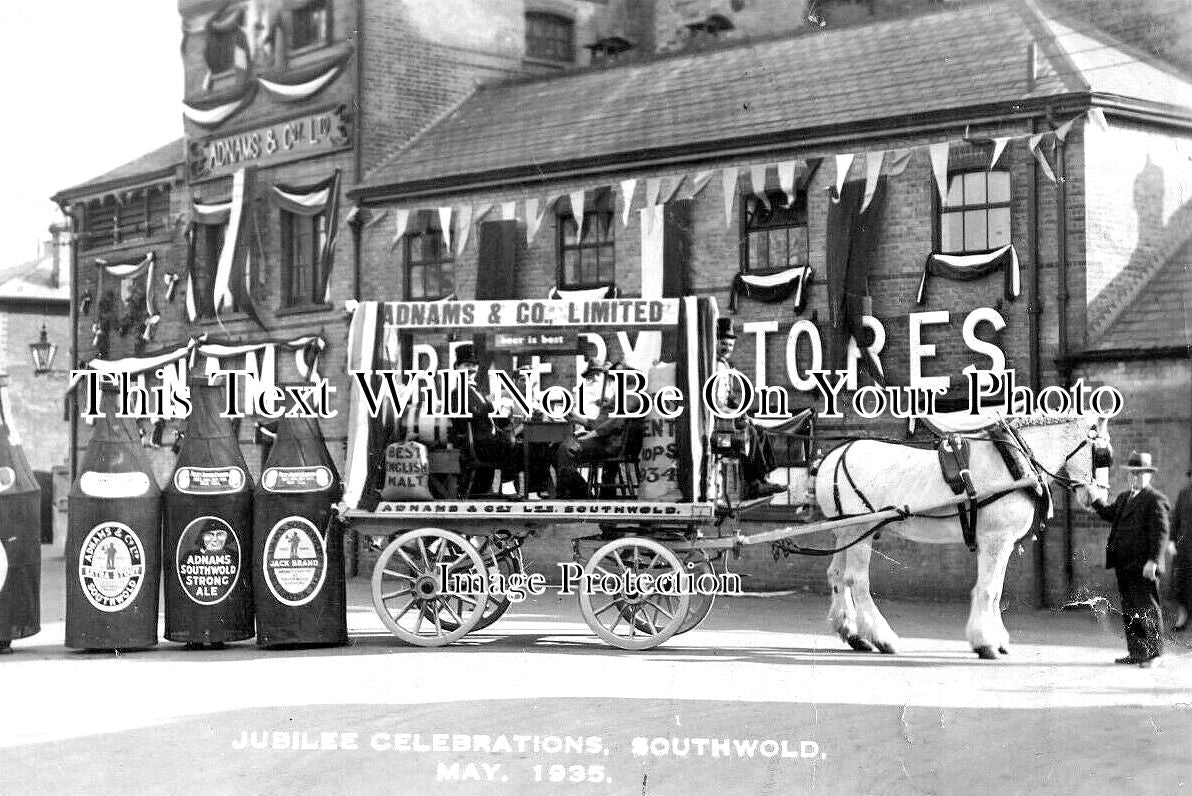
(432, 582)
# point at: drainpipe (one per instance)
(1065, 366)
(71, 236)
(1034, 312)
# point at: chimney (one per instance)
(59, 239)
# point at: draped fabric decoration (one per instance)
(590, 294)
(127, 273)
(647, 349)
(773, 288)
(215, 115)
(970, 267)
(852, 247)
(135, 365)
(312, 200)
(171, 283)
(695, 358)
(364, 432)
(85, 303)
(232, 287)
(306, 86)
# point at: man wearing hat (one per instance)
(757, 461)
(486, 443)
(1135, 550)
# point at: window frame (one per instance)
(328, 32)
(228, 37)
(942, 209)
(563, 22)
(428, 229)
(601, 206)
(135, 219)
(290, 224)
(777, 198)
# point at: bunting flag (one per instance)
(1097, 117)
(231, 288)
(939, 167)
(482, 210)
(403, 223)
(700, 182)
(669, 194)
(445, 214)
(533, 219)
(786, 180)
(627, 189)
(373, 218)
(577, 213)
(843, 164)
(1062, 131)
(757, 180)
(773, 288)
(970, 267)
(1035, 143)
(999, 146)
(509, 211)
(897, 160)
(653, 187)
(464, 219)
(873, 170)
(728, 181)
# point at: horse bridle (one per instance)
(1102, 457)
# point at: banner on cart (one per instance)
(516, 314)
(612, 510)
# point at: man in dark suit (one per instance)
(601, 438)
(1135, 551)
(1181, 548)
(757, 458)
(487, 444)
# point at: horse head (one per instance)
(1074, 450)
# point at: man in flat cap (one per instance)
(1135, 551)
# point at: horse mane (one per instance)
(1030, 421)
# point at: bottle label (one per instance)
(8, 477)
(111, 566)
(295, 561)
(113, 485)
(209, 480)
(296, 479)
(208, 560)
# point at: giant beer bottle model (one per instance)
(20, 535)
(298, 557)
(207, 538)
(113, 561)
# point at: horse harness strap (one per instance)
(953, 453)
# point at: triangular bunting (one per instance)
(577, 213)
(728, 180)
(1034, 143)
(403, 222)
(1062, 131)
(999, 146)
(843, 164)
(786, 179)
(1097, 117)
(939, 167)
(757, 178)
(464, 219)
(700, 182)
(508, 211)
(445, 225)
(669, 194)
(653, 186)
(627, 189)
(873, 170)
(897, 160)
(376, 217)
(482, 210)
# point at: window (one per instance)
(976, 214)
(111, 222)
(588, 261)
(430, 272)
(550, 37)
(302, 239)
(208, 243)
(311, 25)
(220, 51)
(775, 238)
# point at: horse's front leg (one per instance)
(871, 625)
(843, 613)
(985, 630)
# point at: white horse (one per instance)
(888, 474)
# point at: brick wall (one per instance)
(36, 401)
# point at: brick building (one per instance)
(705, 139)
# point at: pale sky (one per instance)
(86, 86)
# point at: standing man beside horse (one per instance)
(1135, 551)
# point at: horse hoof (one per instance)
(859, 644)
(885, 648)
(1003, 650)
(986, 653)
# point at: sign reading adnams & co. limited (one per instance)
(289, 139)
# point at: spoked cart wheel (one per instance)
(502, 554)
(409, 593)
(633, 618)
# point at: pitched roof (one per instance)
(161, 159)
(951, 59)
(33, 281)
(1160, 315)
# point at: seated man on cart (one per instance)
(602, 438)
(756, 453)
(488, 445)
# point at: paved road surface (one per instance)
(760, 699)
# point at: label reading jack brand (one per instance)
(208, 560)
(111, 566)
(295, 561)
(296, 479)
(208, 480)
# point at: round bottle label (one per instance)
(296, 479)
(208, 480)
(208, 560)
(111, 566)
(8, 477)
(295, 561)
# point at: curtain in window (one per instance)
(231, 287)
(970, 267)
(308, 201)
